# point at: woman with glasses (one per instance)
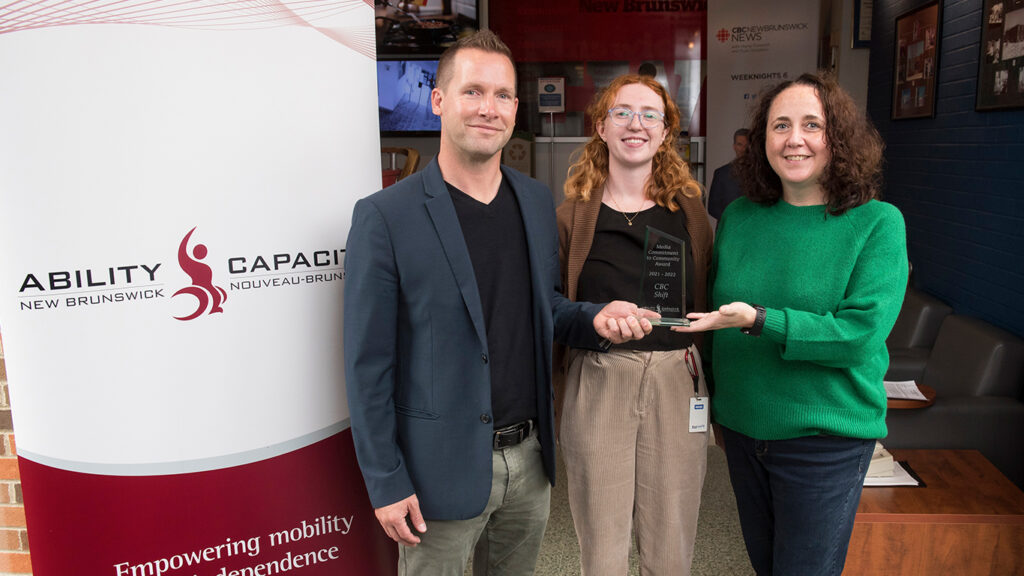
(631, 460)
(809, 274)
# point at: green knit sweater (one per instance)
(832, 287)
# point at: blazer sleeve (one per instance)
(370, 342)
(574, 321)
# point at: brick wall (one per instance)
(14, 558)
(957, 177)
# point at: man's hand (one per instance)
(620, 322)
(393, 519)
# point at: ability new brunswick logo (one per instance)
(209, 297)
(142, 282)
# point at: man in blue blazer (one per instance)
(451, 305)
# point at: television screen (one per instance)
(403, 96)
(422, 27)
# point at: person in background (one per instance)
(808, 278)
(724, 186)
(450, 308)
(631, 461)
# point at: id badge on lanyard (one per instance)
(699, 405)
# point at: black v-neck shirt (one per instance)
(497, 246)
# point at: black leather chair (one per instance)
(911, 340)
(977, 371)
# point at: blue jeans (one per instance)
(797, 499)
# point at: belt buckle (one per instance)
(512, 435)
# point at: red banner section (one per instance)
(602, 30)
(304, 513)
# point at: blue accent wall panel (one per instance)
(958, 178)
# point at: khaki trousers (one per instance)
(631, 461)
(507, 534)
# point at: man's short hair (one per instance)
(741, 132)
(483, 40)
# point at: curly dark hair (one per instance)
(852, 177)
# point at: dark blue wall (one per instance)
(957, 177)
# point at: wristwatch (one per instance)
(755, 330)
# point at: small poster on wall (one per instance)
(1001, 62)
(917, 62)
(862, 23)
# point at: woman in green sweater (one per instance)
(808, 277)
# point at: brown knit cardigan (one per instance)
(576, 223)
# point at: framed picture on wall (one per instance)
(862, 23)
(1001, 62)
(917, 62)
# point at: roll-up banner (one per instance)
(752, 44)
(176, 183)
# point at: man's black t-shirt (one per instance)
(497, 247)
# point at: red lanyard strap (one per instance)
(691, 367)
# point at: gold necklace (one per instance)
(629, 220)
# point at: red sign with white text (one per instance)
(304, 510)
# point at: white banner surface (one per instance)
(175, 193)
(751, 45)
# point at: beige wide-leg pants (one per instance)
(631, 461)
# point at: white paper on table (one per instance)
(903, 390)
(881, 462)
(900, 477)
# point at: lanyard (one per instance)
(691, 367)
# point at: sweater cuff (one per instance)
(774, 325)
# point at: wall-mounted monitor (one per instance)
(422, 27)
(403, 97)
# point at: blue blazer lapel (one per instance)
(449, 231)
(533, 227)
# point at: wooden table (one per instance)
(902, 404)
(969, 519)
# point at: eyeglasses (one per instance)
(648, 118)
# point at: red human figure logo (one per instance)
(202, 288)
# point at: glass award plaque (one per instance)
(664, 278)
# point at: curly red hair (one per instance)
(670, 175)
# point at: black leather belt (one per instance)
(512, 435)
